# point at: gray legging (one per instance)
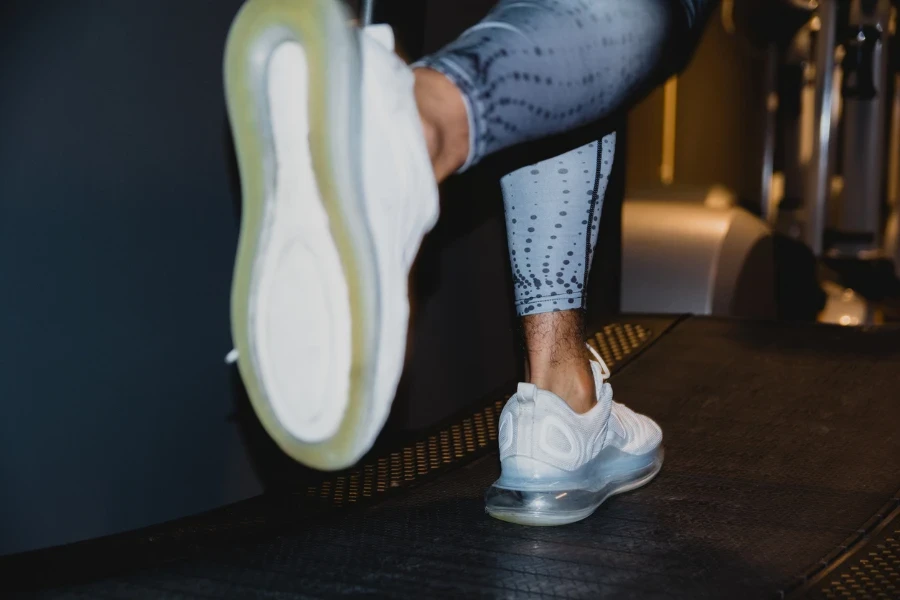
(535, 68)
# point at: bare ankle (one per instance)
(557, 360)
(444, 121)
(574, 383)
(432, 138)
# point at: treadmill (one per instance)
(781, 480)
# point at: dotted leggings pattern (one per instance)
(552, 212)
(534, 68)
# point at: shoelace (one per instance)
(604, 370)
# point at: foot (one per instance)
(558, 466)
(338, 191)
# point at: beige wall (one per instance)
(718, 123)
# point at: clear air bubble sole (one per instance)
(519, 497)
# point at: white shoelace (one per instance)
(604, 370)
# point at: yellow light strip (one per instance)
(728, 16)
(670, 112)
(894, 150)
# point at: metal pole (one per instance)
(819, 175)
(368, 8)
(766, 210)
(865, 123)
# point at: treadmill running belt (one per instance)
(782, 455)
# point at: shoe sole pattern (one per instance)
(334, 69)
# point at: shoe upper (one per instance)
(539, 426)
(400, 191)
(401, 200)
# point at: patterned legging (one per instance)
(535, 68)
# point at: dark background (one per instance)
(118, 225)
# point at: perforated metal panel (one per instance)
(872, 573)
(615, 342)
(466, 439)
(458, 441)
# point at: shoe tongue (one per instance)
(381, 33)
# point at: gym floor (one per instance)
(781, 479)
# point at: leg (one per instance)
(565, 444)
(536, 68)
(340, 146)
(553, 210)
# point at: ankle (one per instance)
(432, 137)
(445, 121)
(573, 382)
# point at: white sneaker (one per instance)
(558, 466)
(338, 191)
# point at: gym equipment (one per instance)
(705, 257)
(858, 227)
(833, 93)
(781, 477)
(844, 306)
(830, 85)
(695, 250)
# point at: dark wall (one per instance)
(117, 233)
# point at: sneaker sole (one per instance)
(563, 505)
(293, 321)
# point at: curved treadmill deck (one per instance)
(781, 478)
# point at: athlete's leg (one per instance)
(553, 210)
(534, 68)
(339, 146)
